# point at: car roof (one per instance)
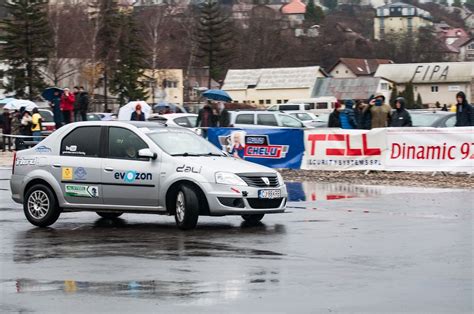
(138, 124)
(177, 115)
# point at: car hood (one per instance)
(228, 164)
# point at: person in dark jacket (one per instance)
(56, 106)
(206, 119)
(347, 116)
(464, 111)
(138, 114)
(77, 96)
(83, 103)
(362, 115)
(7, 130)
(400, 117)
(224, 119)
(333, 121)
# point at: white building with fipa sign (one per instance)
(435, 82)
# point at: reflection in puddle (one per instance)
(203, 292)
(315, 191)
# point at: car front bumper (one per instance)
(242, 200)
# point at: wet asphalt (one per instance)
(339, 248)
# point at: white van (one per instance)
(319, 104)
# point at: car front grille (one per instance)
(255, 180)
(257, 203)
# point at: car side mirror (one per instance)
(147, 153)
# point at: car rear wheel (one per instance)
(109, 215)
(253, 219)
(187, 208)
(40, 206)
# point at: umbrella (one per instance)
(19, 103)
(217, 94)
(48, 93)
(125, 112)
(5, 101)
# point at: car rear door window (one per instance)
(450, 122)
(182, 121)
(245, 119)
(82, 142)
(289, 107)
(267, 119)
(124, 144)
(290, 122)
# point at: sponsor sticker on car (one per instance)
(90, 191)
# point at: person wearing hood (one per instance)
(347, 116)
(380, 112)
(206, 119)
(333, 121)
(464, 111)
(400, 117)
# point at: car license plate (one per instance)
(269, 193)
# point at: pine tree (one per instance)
(393, 95)
(314, 13)
(330, 4)
(409, 95)
(213, 39)
(126, 80)
(419, 102)
(107, 20)
(457, 3)
(26, 46)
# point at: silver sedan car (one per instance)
(140, 167)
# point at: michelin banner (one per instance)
(391, 149)
(275, 148)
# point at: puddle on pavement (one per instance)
(215, 290)
(315, 191)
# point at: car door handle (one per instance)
(108, 169)
(57, 166)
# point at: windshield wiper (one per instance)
(185, 154)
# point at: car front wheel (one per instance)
(187, 208)
(40, 206)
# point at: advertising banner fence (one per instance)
(275, 148)
(391, 149)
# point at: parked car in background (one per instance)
(186, 120)
(310, 119)
(106, 116)
(94, 117)
(47, 126)
(263, 119)
(437, 119)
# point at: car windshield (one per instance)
(302, 116)
(46, 115)
(183, 144)
(426, 120)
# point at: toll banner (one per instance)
(275, 148)
(336, 149)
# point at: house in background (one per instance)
(272, 85)
(435, 82)
(359, 88)
(399, 18)
(165, 85)
(352, 68)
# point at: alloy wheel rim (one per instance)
(38, 204)
(180, 206)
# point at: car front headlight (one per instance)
(280, 179)
(229, 178)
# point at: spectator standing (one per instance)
(347, 116)
(224, 119)
(36, 121)
(16, 128)
(333, 121)
(380, 112)
(138, 114)
(400, 117)
(83, 103)
(56, 106)
(206, 119)
(77, 96)
(25, 124)
(362, 115)
(7, 130)
(67, 105)
(464, 111)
